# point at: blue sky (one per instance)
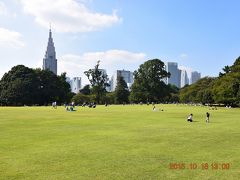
(199, 34)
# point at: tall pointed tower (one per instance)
(50, 61)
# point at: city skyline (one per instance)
(121, 34)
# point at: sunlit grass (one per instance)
(118, 142)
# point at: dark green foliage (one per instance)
(226, 89)
(199, 92)
(173, 94)
(98, 80)
(52, 88)
(19, 86)
(80, 98)
(222, 90)
(226, 70)
(110, 98)
(25, 86)
(148, 82)
(121, 91)
(86, 90)
(64, 90)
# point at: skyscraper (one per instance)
(195, 76)
(174, 79)
(184, 78)
(127, 76)
(50, 61)
(75, 84)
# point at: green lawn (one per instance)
(118, 142)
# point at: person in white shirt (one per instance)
(190, 118)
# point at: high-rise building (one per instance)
(195, 76)
(75, 84)
(68, 80)
(184, 78)
(174, 79)
(50, 61)
(127, 76)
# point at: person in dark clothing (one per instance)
(207, 117)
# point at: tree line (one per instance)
(26, 86)
(148, 86)
(224, 89)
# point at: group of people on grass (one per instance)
(190, 117)
(70, 107)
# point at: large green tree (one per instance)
(48, 88)
(226, 89)
(148, 82)
(121, 91)
(52, 87)
(98, 80)
(19, 86)
(26, 86)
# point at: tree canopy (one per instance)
(19, 86)
(199, 92)
(224, 89)
(121, 91)
(26, 86)
(148, 82)
(98, 80)
(85, 90)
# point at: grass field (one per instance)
(119, 142)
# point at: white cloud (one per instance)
(3, 9)
(68, 15)
(5, 12)
(10, 39)
(111, 60)
(183, 56)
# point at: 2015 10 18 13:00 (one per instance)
(203, 166)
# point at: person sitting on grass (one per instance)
(154, 108)
(190, 118)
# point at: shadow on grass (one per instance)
(204, 122)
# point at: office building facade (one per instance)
(75, 84)
(195, 76)
(184, 78)
(172, 68)
(127, 77)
